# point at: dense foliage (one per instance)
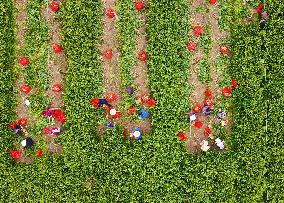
(158, 169)
(273, 45)
(7, 76)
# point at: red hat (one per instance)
(54, 6)
(139, 5)
(59, 115)
(197, 108)
(142, 56)
(198, 124)
(226, 92)
(24, 61)
(212, 2)
(181, 136)
(208, 102)
(22, 121)
(111, 97)
(207, 131)
(62, 118)
(117, 115)
(57, 112)
(208, 93)
(224, 49)
(95, 102)
(259, 8)
(57, 48)
(108, 53)
(39, 153)
(191, 46)
(12, 125)
(15, 154)
(25, 88)
(131, 110)
(56, 88)
(234, 84)
(110, 12)
(197, 30)
(151, 102)
(46, 131)
(145, 98)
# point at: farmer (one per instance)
(143, 114)
(136, 133)
(103, 102)
(18, 130)
(221, 114)
(191, 116)
(204, 145)
(263, 15)
(125, 133)
(219, 143)
(100, 103)
(206, 110)
(109, 125)
(28, 142)
(264, 18)
(55, 131)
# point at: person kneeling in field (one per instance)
(28, 142)
(100, 103)
(109, 124)
(18, 130)
(104, 103)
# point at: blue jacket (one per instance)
(144, 114)
(103, 101)
(109, 125)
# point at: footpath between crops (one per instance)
(22, 109)
(210, 114)
(57, 67)
(41, 61)
(126, 99)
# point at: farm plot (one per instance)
(211, 86)
(37, 82)
(124, 64)
(97, 166)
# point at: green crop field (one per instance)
(169, 164)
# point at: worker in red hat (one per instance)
(263, 14)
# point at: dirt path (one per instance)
(56, 61)
(109, 41)
(111, 73)
(140, 70)
(217, 35)
(57, 65)
(21, 20)
(21, 109)
(196, 135)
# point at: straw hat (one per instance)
(112, 112)
(24, 143)
(137, 134)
